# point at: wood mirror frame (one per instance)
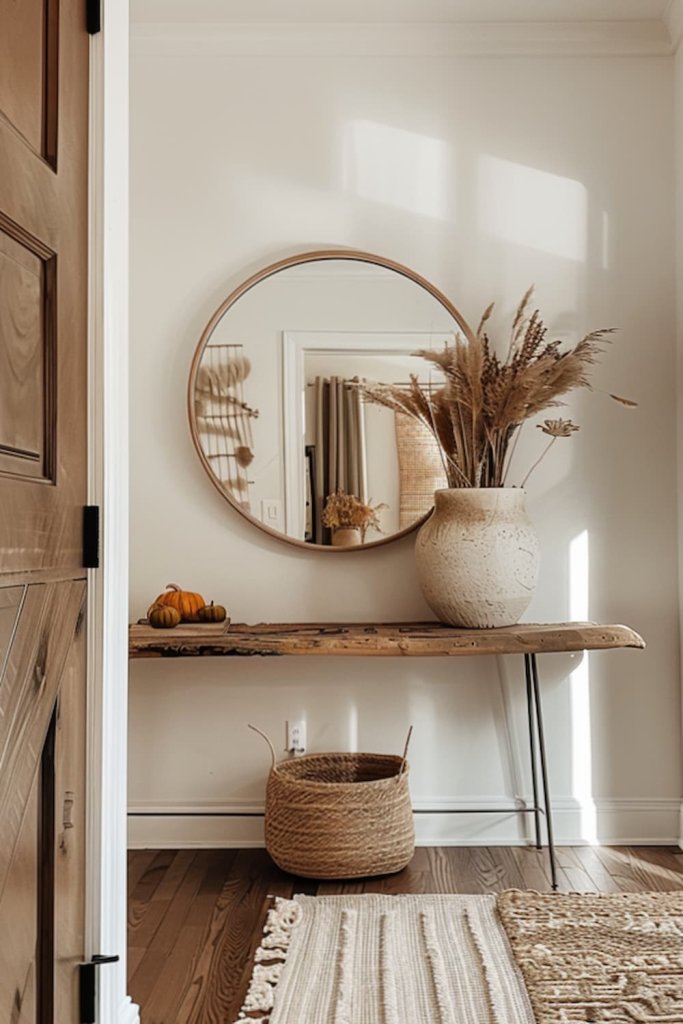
(261, 275)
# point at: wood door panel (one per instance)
(22, 671)
(29, 65)
(70, 832)
(44, 97)
(27, 357)
(43, 285)
(22, 67)
(18, 967)
(50, 619)
(11, 599)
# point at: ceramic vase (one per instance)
(477, 557)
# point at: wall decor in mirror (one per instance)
(277, 417)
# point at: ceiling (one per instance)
(396, 11)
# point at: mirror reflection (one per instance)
(278, 416)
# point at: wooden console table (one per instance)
(411, 639)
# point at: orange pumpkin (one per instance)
(184, 601)
(163, 616)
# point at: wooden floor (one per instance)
(195, 917)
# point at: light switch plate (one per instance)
(271, 513)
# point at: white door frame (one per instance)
(108, 488)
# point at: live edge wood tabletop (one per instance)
(396, 639)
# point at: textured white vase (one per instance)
(477, 557)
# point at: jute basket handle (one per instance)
(267, 739)
(274, 755)
(405, 755)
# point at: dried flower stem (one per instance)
(540, 459)
(443, 454)
(511, 453)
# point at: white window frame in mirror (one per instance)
(295, 346)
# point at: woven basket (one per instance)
(340, 815)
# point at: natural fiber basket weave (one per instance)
(340, 815)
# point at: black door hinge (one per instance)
(93, 16)
(88, 982)
(91, 536)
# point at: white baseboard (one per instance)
(130, 1012)
(617, 822)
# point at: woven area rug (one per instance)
(516, 958)
(614, 958)
(386, 960)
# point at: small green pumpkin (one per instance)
(212, 613)
(163, 616)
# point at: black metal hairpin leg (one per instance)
(532, 747)
(544, 769)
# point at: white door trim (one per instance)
(108, 488)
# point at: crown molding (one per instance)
(393, 11)
(673, 19)
(471, 39)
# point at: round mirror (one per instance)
(277, 414)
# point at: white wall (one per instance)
(484, 175)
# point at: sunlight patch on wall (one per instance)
(533, 208)
(398, 168)
(582, 759)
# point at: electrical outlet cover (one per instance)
(296, 736)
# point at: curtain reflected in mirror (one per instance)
(339, 445)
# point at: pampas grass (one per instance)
(476, 413)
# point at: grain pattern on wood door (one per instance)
(43, 281)
(44, 51)
(42, 701)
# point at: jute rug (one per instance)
(516, 958)
(599, 958)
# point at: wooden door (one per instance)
(43, 472)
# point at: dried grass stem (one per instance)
(476, 413)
